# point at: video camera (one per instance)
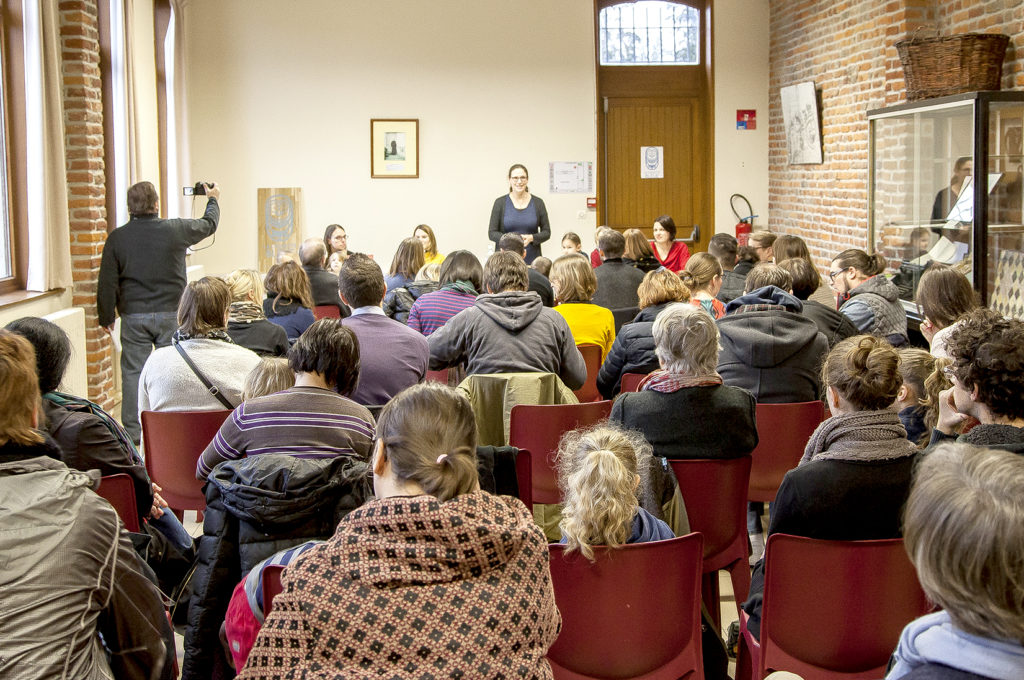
(198, 190)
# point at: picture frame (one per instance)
(394, 148)
(802, 123)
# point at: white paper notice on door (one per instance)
(652, 162)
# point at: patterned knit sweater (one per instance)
(410, 587)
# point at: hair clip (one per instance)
(440, 459)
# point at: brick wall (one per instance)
(83, 120)
(847, 47)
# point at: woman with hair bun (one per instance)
(433, 559)
(866, 296)
(703, 276)
(854, 477)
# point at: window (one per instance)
(649, 33)
(13, 222)
(6, 234)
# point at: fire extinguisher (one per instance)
(745, 224)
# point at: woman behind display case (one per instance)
(520, 212)
(946, 198)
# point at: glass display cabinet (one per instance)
(945, 186)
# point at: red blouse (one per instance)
(678, 254)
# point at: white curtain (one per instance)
(178, 165)
(49, 242)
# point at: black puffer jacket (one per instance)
(632, 351)
(399, 301)
(256, 507)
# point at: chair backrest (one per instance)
(631, 382)
(539, 428)
(437, 376)
(326, 312)
(782, 434)
(271, 586)
(592, 357)
(835, 609)
(174, 440)
(634, 611)
(524, 477)
(623, 316)
(715, 494)
(119, 491)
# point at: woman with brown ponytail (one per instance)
(854, 477)
(866, 296)
(420, 572)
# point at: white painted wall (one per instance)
(57, 308)
(282, 93)
(740, 65)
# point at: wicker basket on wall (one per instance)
(936, 67)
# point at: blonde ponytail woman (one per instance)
(600, 471)
(703, 276)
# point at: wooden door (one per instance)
(674, 124)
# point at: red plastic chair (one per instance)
(715, 494)
(524, 477)
(782, 433)
(634, 612)
(539, 428)
(174, 440)
(119, 491)
(326, 312)
(271, 586)
(437, 376)
(592, 357)
(832, 609)
(631, 382)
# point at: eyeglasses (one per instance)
(832, 275)
(518, 179)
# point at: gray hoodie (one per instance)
(509, 332)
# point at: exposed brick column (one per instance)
(83, 129)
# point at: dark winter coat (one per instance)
(632, 351)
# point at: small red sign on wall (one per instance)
(746, 119)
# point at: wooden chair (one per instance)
(326, 312)
(119, 491)
(715, 494)
(634, 612)
(271, 586)
(174, 440)
(832, 609)
(631, 382)
(782, 433)
(592, 357)
(539, 428)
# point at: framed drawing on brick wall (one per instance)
(800, 117)
(395, 148)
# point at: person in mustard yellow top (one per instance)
(426, 236)
(575, 284)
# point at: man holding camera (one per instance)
(142, 276)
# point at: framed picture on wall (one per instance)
(800, 116)
(394, 148)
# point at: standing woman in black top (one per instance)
(520, 212)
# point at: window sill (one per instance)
(17, 297)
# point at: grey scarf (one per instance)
(863, 435)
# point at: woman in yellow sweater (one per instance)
(574, 284)
(426, 236)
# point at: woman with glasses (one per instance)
(520, 212)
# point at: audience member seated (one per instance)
(944, 295)
(608, 465)
(247, 324)
(672, 254)
(323, 284)
(461, 281)
(289, 301)
(398, 302)
(638, 251)
(336, 243)
(542, 264)
(865, 295)
(574, 282)
(508, 330)
(633, 349)
(833, 324)
(703, 276)
(168, 383)
(772, 350)
(538, 283)
(787, 247)
(988, 380)
(595, 254)
(916, 406)
(313, 419)
(426, 236)
(617, 280)
(392, 356)
(271, 375)
(75, 601)
(964, 533)
(494, 560)
(854, 477)
(763, 243)
(720, 421)
(409, 259)
(724, 248)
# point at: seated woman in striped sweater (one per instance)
(313, 419)
(461, 281)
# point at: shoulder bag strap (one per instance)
(210, 387)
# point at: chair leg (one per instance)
(709, 592)
(739, 571)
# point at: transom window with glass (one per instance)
(649, 33)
